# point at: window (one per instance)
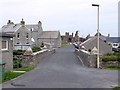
(32, 29)
(27, 35)
(27, 42)
(4, 45)
(18, 35)
(18, 43)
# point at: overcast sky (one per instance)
(63, 15)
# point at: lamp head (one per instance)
(95, 5)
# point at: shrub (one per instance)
(36, 49)
(17, 62)
(18, 52)
(111, 57)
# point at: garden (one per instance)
(17, 64)
(111, 61)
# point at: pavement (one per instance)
(64, 70)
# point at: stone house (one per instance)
(29, 35)
(51, 37)
(6, 48)
(25, 35)
(91, 45)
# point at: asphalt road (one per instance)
(64, 70)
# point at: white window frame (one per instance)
(3, 49)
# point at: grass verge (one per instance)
(12, 75)
(65, 44)
(112, 68)
(24, 69)
(116, 88)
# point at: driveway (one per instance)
(64, 70)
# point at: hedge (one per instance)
(111, 57)
(18, 52)
(36, 49)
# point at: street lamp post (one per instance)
(98, 43)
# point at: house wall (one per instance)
(35, 36)
(36, 32)
(22, 39)
(7, 55)
(56, 42)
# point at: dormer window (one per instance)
(27, 35)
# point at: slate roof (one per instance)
(11, 28)
(34, 26)
(101, 36)
(6, 35)
(49, 34)
(88, 41)
(14, 27)
(113, 39)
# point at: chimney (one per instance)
(9, 22)
(22, 22)
(39, 24)
(72, 34)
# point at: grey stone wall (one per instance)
(87, 59)
(90, 60)
(110, 63)
(7, 55)
(35, 58)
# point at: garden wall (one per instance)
(86, 58)
(35, 58)
(110, 63)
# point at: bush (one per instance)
(111, 57)
(36, 49)
(18, 52)
(17, 62)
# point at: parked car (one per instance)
(116, 49)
